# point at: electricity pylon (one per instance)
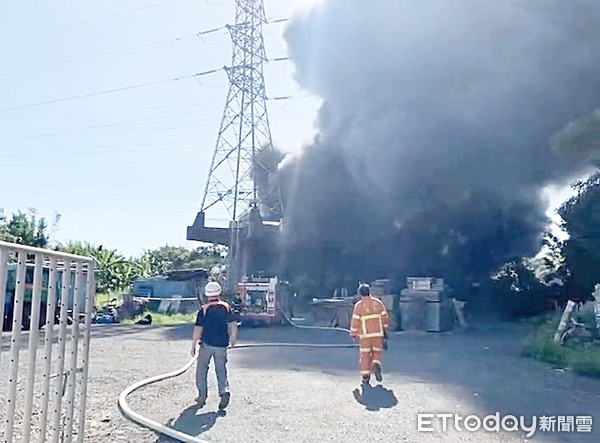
(240, 170)
(241, 173)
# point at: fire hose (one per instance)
(186, 438)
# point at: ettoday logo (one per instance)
(507, 423)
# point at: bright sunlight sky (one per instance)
(125, 169)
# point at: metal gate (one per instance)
(46, 302)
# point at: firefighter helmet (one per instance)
(212, 289)
(364, 289)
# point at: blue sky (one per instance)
(126, 169)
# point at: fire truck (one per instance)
(263, 300)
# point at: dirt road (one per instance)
(305, 395)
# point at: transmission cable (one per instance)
(124, 51)
(90, 20)
(129, 50)
(108, 91)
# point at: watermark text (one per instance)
(507, 423)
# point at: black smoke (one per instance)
(433, 136)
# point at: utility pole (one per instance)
(240, 174)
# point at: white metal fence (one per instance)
(46, 303)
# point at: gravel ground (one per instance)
(305, 395)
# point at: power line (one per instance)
(129, 50)
(125, 207)
(118, 52)
(168, 160)
(126, 88)
(86, 21)
(149, 129)
(170, 196)
(118, 110)
(55, 154)
(108, 91)
(124, 124)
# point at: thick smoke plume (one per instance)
(433, 140)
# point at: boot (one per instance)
(377, 371)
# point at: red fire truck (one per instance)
(262, 300)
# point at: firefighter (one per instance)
(369, 325)
(237, 307)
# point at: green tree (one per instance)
(115, 272)
(207, 257)
(552, 266)
(4, 235)
(579, 262)
(167, 258)
(26, 228)
(581, 251)
(517, 290)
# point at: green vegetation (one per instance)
(578, 356)
(26, 228)
(102, 299)
(116, 272)
(164, 319)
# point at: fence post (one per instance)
(33, 341)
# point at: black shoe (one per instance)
(224, 401)
(365, 381)
(377, 371)
(357, 395)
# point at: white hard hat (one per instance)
(212, 289)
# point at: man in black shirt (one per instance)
(215, 330)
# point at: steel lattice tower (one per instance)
(244, 136)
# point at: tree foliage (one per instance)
(581, 251)
(167, 258)
(116, 272)
(26, 228)
(517, 290)
(4, 234)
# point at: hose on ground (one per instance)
(186, 438)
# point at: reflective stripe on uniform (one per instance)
(377, 362)
(365, 372)
(356, 317)
(377, 349)
(364, 326)
(365, 349)
(370, 316)
(374, 334)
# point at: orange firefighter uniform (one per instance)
(369, 324)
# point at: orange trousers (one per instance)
(371, 350)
